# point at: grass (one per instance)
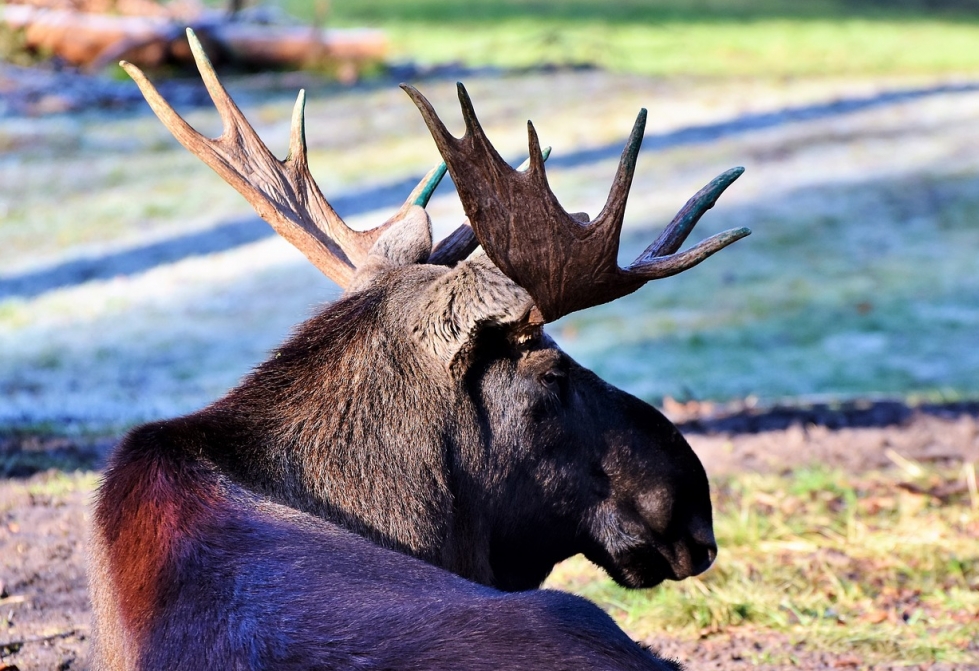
(50, 487)
(56, 484)
(875, 564)
(680, 37)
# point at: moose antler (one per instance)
(282, 192)
(565, 262)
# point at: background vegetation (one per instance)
(679, 37)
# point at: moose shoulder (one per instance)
(425, 410)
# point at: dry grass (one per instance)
(882, 564)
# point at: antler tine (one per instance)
(663, 266)
(231, 116)
(673, 235)
(535, 158)
(544, 154)
(468, 113)
(613, 214)
(443, 138)
(422, 193)
(282, 192)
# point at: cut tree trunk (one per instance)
(95, 40)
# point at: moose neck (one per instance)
(340, 422)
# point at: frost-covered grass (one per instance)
(860, 277)
(859, 289)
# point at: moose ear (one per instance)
(406, 242)
(459, 303)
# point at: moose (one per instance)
(388, 489)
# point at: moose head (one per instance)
(427, 409)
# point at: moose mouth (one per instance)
(638, 557)
(640, 566)
(640, 570)
(637, 566)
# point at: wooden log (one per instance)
(80, 38)
(94, 40)
(297, 46)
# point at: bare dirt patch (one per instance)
(44, 610)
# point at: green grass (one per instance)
(699, 38)
(632, 11)
(57, 484)
(827, 560)
(51, 487)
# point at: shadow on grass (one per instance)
(25, 452)
(233, 234)
(849, 414)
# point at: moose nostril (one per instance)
(702, 565)
(703, 551)
(703, 546)
(703, 557)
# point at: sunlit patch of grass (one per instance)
(55, 484)
(14, 312)
(49, 488)
(874, 564)
(773, 47)
(732, 38)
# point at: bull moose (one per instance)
(374, 493)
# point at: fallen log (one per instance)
(93, 41)
(80, 38)
(298, 45)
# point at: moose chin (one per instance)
(390, 487)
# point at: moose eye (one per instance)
(552, 378)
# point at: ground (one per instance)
(46, 619)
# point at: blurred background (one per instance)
(135, 284)
(825, 369)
